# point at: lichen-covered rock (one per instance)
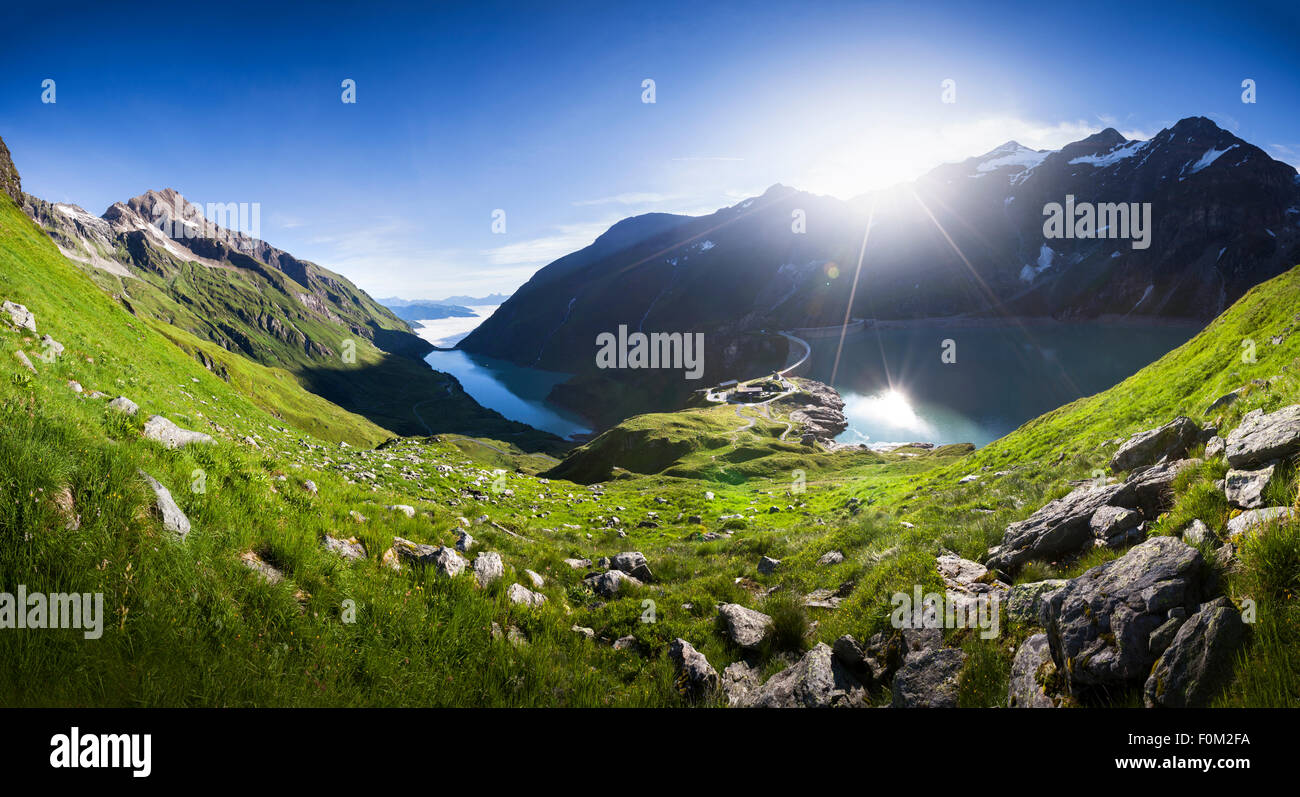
(696, 678)
(633, 563)
(1033, 674)
(928, 679)
(1099, 624)
(1198, 660)
(818, 680)
(124, 405)
(1062, 527)
(1245, 488)
(1257, 518)
(20, 316)
(1025, 602)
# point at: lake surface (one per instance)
(516, 392)
(897, 389)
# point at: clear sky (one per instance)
(536, 109)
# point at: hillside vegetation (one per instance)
(252, 608)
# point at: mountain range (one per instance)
(964, 240)
(163, 259)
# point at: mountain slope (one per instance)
(966, 238)
(162, 259)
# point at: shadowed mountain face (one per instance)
(965, 239)
(163, 259)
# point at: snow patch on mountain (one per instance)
(1119, 153)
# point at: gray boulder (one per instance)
(1245, 488)
(1032, 672)
(523, 596)
(1261, 438)
(1198, 660)
(609, 584)
(173, 518)
(20, 316)
(1256, 518)
(768, 565)
(740, 681)
(350, 548)
(1025, 602)
(831, 558)
(696, 678)
(1099, 624)
(161, 430)
(1062, 527)
(464, 541)
(745, 627)
(123, 404)
(1170, 441)
(633, 563)
(1153, 488)
(446, 560)
(488, 567)
(928, 679)
(818, 680)
(1115, 526)
(1215, 446)
(967, 581)
(1196, 533)
(51, 349)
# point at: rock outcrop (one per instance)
(1198, 660)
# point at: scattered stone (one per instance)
(1196, 533)
(589, 633)
(405, 509)
(20, 316)
(818, 680)
(64, 503)
(259, 566)
(161, 430)
(310, 486)
(1246, 521)
(536, 578)
(831, 558)
(633, 563)
(488, 567)
(1115, 526)
(745, 627)
(51, 349)
(1215, 447)
(1223, 401)
(740, 681)
(1198, 660)
(1153, 487)
(350, 548)
(928, 679)
(464, 541)
(968, 582)
(357, 516)
(173, 518)
(524, 596)
(696, 678)
(625, 643)
(123, 404)
(1061, 527)
(608, 584)
(446, 560)
(23, 360)
(1245, 488)
(768, 565)
(578, 564)
(1032, 671)
(1170, 441)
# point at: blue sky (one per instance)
(535, 109)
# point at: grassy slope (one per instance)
(192, 626)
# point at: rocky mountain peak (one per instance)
(10, 183)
